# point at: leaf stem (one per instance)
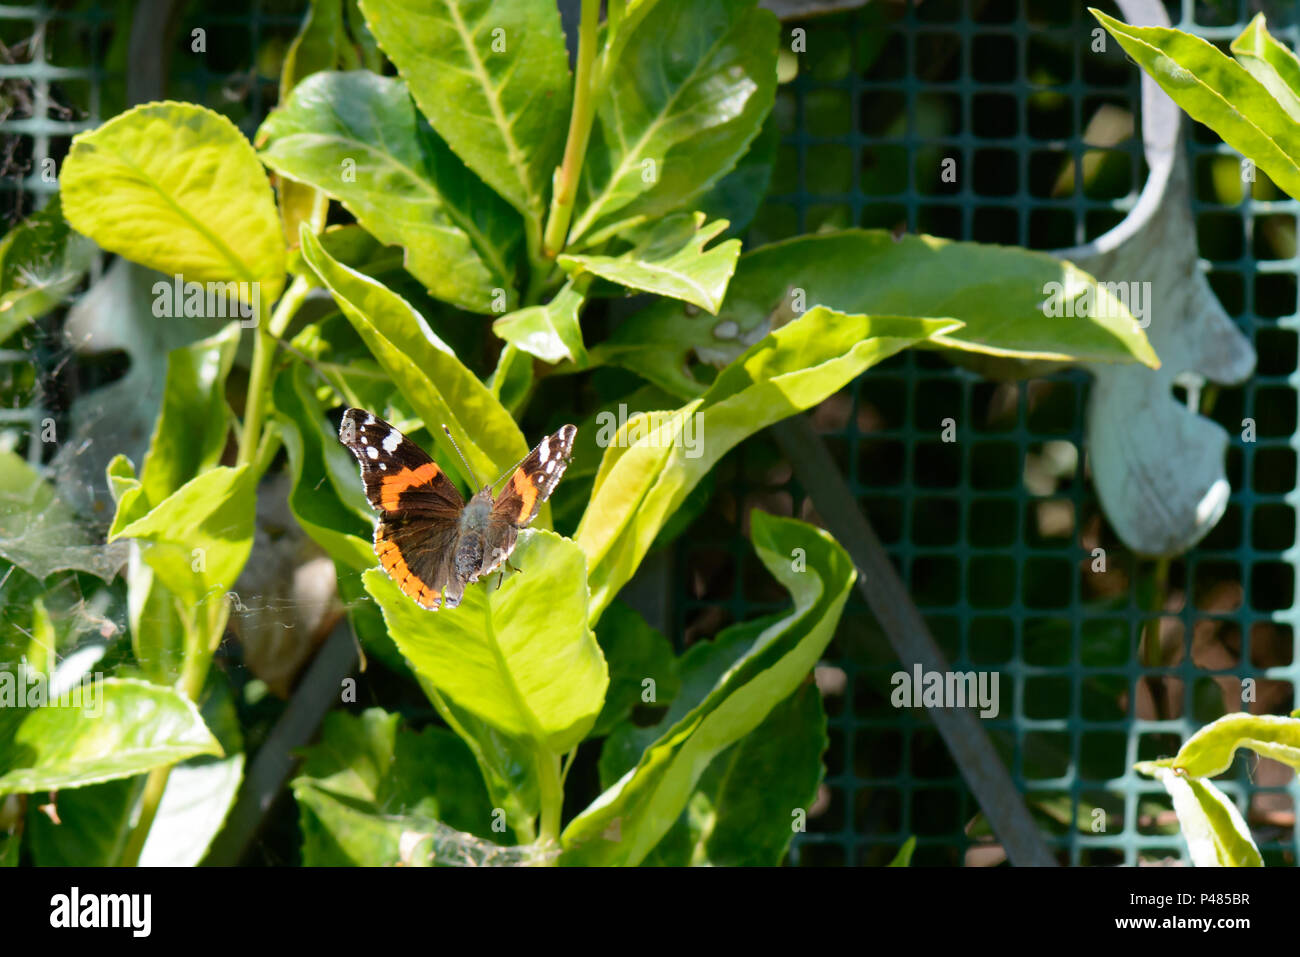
(154, 787)
(565, 183)
(551, 793)
(263, 352)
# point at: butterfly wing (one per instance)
(419, 508)
(530, 486)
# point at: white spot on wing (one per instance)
(372, 452)
(391, 441)
(544, 451)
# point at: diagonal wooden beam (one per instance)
(889, 600)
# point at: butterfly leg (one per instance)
(512, 567)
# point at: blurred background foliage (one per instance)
(994, 534)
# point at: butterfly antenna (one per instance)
(511, 470)
(477, 483)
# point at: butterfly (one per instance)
(428, 540)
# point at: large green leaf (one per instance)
(741, 811)
(367, 783)
(493, 79)
(198, 539)
(745, 807)
(310, 441)
(177, 188)
(636, 653)
(190, 434)
(357, 137)
(692, 87)
(93, 828)
(998, 292)
(629, 819)
(551, 331)
(130, 727)
(200, 790)
(652, 463)
(670, 260)
(94, 823)
(1211, 749)
(41, 261)
(438, 386)
(520, 657)
(1216, 833)
(1218, 91)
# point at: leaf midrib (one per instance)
(513, 154)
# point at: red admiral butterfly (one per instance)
(428, 539)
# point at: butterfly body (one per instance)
(428, 539)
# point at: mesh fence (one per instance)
(993, 533)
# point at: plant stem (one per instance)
(586, 80)
(154, 787)
(263, 352)
(551, 793)
(194, 670)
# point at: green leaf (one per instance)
(130, 727)
(670, 260)
(904, 856)
(692, 87)
(508, 765)
(738, 195)
(651, 465)
(368, 782)
(550, 332)
(520, 657)
(1216, 833)
(200, 790)
(316, 46)
(1218, 91)
(190, 434)
(492, 78)
(638, 810)
(512, 379)
(199, 538)
(94, 825)
(745, 807)
(741, 811)
(1271, 63)
(41, 261)
(438, 386)
(320, 44)
(700, 668)
(1211, 749)
(358, 138)
(199, 201)
(635, 652)
(310, 441)
(998, 292)
(43, 534)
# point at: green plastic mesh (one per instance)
(993, 534)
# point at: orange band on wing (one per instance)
(527, 492)
(394, 485)
(390, 557)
